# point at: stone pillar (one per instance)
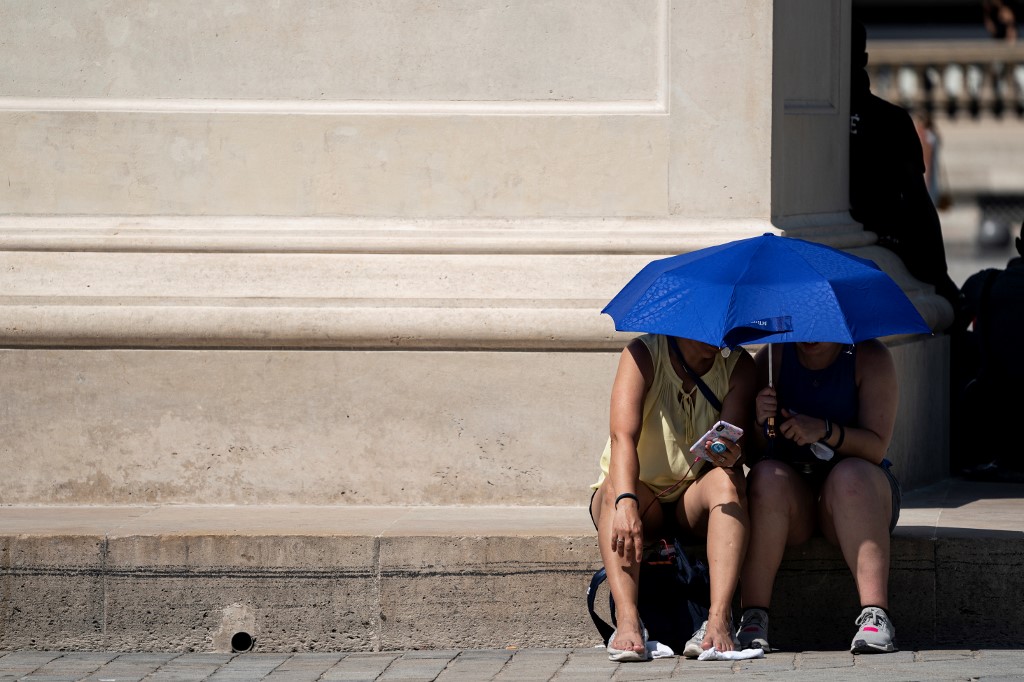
(355, 252)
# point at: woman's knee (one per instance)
(770, 480)
(856, 481)
(856, 477)
(724, 486)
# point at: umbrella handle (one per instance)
(770, 423)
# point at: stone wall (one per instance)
(356, 251)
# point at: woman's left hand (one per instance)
(802, 429)
(727, 458)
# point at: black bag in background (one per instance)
(674, 596)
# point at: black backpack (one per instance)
(674, 595)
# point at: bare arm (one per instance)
(632, 381)
(737, 407)
(878, 394)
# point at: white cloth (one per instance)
(659, 650)
(714, 654)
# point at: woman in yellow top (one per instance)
(657, 413)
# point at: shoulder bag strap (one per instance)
(709, 395)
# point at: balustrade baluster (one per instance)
(958, 77)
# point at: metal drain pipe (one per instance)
(242, 642)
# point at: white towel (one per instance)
(659, 650)
(714, 654)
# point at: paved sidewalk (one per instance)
(583, 665)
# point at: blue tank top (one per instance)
(829, 393)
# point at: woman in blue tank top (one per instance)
(823, 469)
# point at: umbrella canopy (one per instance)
(765, 289)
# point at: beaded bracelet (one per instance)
(627, 496)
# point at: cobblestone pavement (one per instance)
(479, 665)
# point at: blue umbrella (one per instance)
(767, 288)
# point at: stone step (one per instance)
(372, 578)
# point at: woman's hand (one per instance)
(801, 428)
(727, 458)
(766, 405)
(628, 531)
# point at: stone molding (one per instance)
(197, 282)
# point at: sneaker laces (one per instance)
(875, 615)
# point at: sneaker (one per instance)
(876, 633)
(753, 632)
(693, 648)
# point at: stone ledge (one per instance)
(176, 578)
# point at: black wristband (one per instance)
(842, 436)
(828, 432)
(627, 496)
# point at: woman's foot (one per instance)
(628, 644)
(715, 633)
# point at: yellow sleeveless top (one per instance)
(673, 420)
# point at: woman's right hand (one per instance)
(627, 531)
(766, 405)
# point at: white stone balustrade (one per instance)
(950, 77)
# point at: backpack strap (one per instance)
(604, 628)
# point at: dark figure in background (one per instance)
(990, 369)
(888, 194)
(1000, 19)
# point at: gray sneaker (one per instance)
(693, 648)
(753, 632)
(876, 634)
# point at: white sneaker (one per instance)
(876, 634)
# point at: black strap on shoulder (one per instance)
(708, 393)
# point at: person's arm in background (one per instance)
(1008, 16)
(923, 250)
(988, 9)
(927, 150)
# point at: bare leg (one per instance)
(623, 571)
(781, 514)
(715, 506)
(856, 505)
